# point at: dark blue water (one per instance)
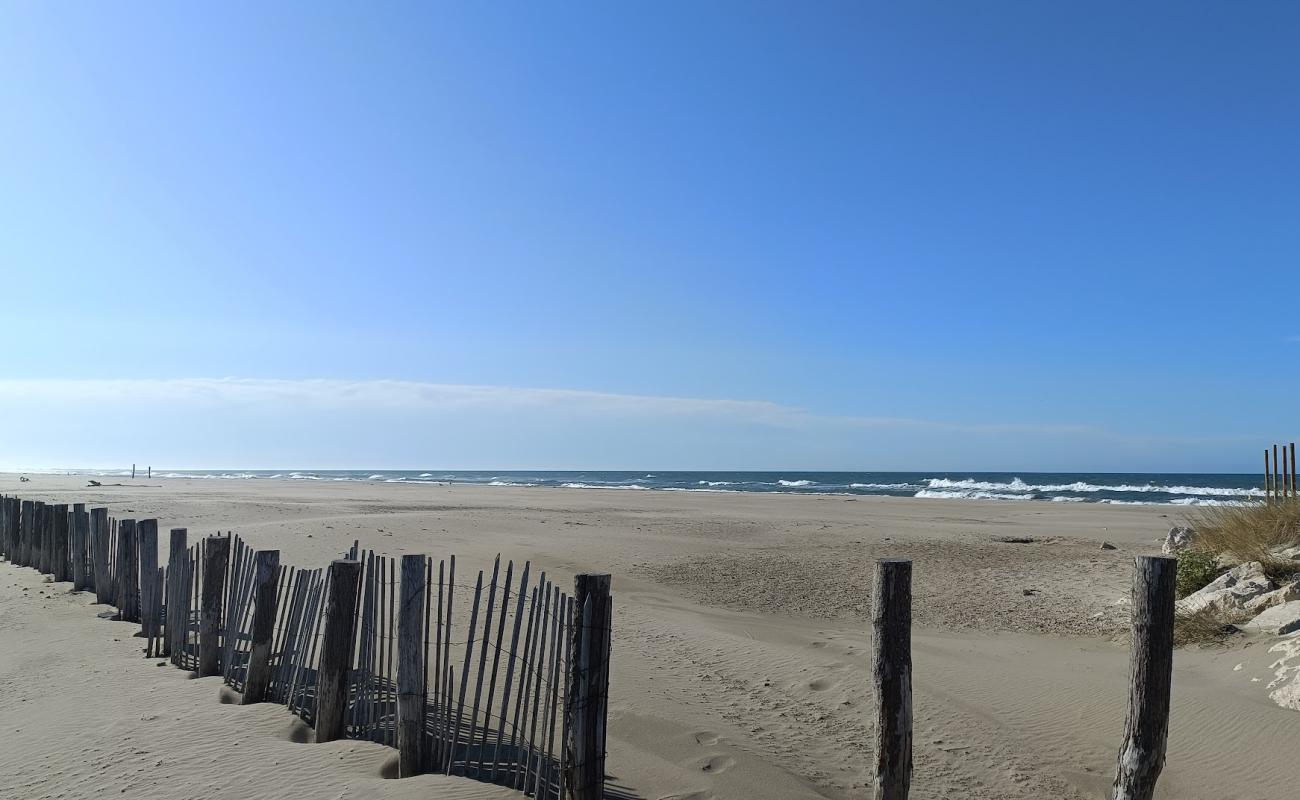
(1061, 487)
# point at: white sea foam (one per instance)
(970, 494)
(1018, 485)
(882, 486)
(795, 483)
(603, 486)
(715, 483)
(510, 483)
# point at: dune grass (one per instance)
(1249, 532)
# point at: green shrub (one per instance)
(1196, 569)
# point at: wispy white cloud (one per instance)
(417, 396)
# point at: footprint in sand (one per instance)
(717, 764)
(707, 738)
(820, 685)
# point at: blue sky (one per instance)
(930, 235)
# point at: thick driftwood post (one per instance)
(80, 540)
(336, 649)
(587, 691)
(177, 558)
(1142, 755)
(266, 571)
(28, 532)
(147, 539)
(216, 559)
(411, 666)
(60, 566)
(891, 676)
(128, 572)
(44, 524)
(99, 532)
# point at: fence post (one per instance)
(216, 559)
(411, 666)
(44, 523)
(147, 541)
(177, 560)
(78, 555)
(99, 532)
(59, 564)
(588, 678)
(336, 649)
(891, 676)
(266, 569)
(1146, 728)
(128, 572)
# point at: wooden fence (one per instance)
(1279, 473)
(504, 680)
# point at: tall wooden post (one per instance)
(586, 709)
(45, 521)
(266, 571)
(1286, 475)
(28, 532)
(177, 563)
(60, 566)
(216, 560)
(99, 534)
(336, 649)
(80, 538)
(1294, 470)
(411, 665)
(150, 604)
(128, 572)
(891, 676)
(1142, 755)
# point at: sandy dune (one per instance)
(740, 649)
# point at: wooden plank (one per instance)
(128, 571)
(336, 649)
(546, 747)
(216, 559)
(175, 621)
(891, 647)
(1142, 755)
(147, 539)
(482, 665)
(539, 671)
(411, 666)
(496, 663)
(99, 535)
(258, 677)
(510, 670)
(464, 674)
(78, 555)
(521, 695)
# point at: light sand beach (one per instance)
(740, 652)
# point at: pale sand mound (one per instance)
(765, 700)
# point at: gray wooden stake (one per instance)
(1146, 729)
(411, 666)
(266, 568)
(336, 649)
(216, 560)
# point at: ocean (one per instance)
(1177, 489)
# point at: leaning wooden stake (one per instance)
(586, 708)
(410, 666)
(216, 559)
(150, 604)
(1142, 755)
(336, 649)
(177, 608)
(266, 569)
(891, 676)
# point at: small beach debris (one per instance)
(1015, 539)
(1108, 546)
(94, 483)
